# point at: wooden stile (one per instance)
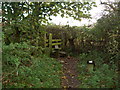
(48, 43)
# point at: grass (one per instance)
(23, 70)
(104, 76)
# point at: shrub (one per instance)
(29, 68)
(104, 76)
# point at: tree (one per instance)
(22, 19)
(42, 10)
(108, 29)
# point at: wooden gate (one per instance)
(52, 45)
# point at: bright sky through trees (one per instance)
(96, 13)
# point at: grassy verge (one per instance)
(104, 76)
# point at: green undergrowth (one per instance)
(25, 68)
(104, 76)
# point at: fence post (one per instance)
(45, 40)
(50, 42)
(63, 41)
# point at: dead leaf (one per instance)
(64, 86)
(64, 77)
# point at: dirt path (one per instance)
(70, 73)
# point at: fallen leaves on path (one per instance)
(70, 73)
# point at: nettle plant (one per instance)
(28, 67)
(15, 54)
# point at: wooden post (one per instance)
(63, 40)
(90, 66)
(45, 40)
(46, 51)
(50, 42)
(57, 51)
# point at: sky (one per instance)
(96, 13)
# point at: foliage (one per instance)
(24, 21)
(24, 27)
(104, 76)
(24, 31)
(45, 9)
(107, 28)
(29, 68)
(83, 39)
